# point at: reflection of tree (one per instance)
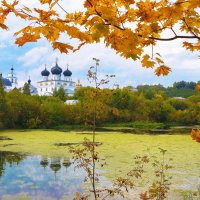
(44, 162)
(66, 162)
(8, 157)
(55, 163)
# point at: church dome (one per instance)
(78, 84)
(29, 81)
(7, 82)
(67, 72)
(45, 72)
(56, 70)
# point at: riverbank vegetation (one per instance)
(150, 107)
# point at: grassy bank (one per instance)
(132, 127)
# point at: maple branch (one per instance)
(62, 8)
(28, 15)
(173, 31)
(119, 14)
(175, 37)
(194, 36)
(178, 3)
(105, 20)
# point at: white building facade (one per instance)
(10, 82)
(54, 80)
(50, 81)
(12, 78)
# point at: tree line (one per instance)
(148, 104)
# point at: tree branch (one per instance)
(194, 36)
(105, 20)
(119, 14)
(62, 8)
(175, 37)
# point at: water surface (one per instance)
(37, 177)
(37, 165)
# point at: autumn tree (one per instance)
(129, 27)
(21, 109)
(26, 89)
(61, 94)
(3, 104)
(53, 112)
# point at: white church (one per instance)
(10, 82)
(54, 80)
(51, 80)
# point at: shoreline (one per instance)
(173, 130)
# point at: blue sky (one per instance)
(30, 59)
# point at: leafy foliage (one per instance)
(122, 106)
(61, 94)
(126, 26)
(26, 89)
(3, 105)
(196, 135)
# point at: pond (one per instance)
(37, 177)
(37, 164)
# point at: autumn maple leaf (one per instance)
(162, 70)
(146, 62)
(63, 48)
(196, 135)
(197, 87)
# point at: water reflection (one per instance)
(38, 177)
(11, 158)
(55, 163)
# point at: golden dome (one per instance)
(78, 84)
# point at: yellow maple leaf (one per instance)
(195, 134)
(63, 48)
(197, 87)
(162, 70)
(146, 62)
(46, 1)
(27, 37)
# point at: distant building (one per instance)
(7, 84)
(13, 78)
(10, 82)
(33, 89)
(78, 84)
(51, 81)
(55, 80)
(179, 98)
(132, 89)
(71, 102)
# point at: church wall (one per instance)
(46, 88)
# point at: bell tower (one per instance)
(13, 78)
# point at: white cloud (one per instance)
(33, 56)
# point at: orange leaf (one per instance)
(197, 87)
(162, 70)
(3, 26)
(196, 135)
(146, 62)
(63, 48)
(26, 37)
